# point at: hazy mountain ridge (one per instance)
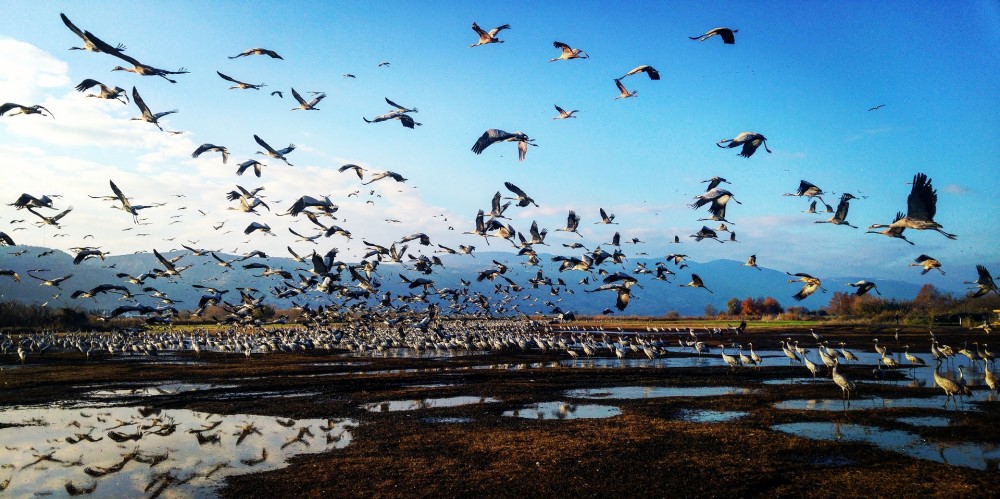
(726, 279)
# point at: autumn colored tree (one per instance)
(770, 306)
(841, 303)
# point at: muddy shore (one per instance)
(650, 449)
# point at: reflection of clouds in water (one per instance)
(124, 451)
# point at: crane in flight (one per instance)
(486, 37)
(493, 135)
(749, 140)
(921, 206)
(568, 52)
(270, 151)
(725, 33)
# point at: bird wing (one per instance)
(482, 34)
(263, 144)
(515, 189)
(727, 35)
(108, 49)
(163, 260)
(393, 104)
(407, 121)
(921, 204)
(72, 27)
(121, 197)
(621, 88)
(495, 31)
(227, 78)
(140, 103)
(298, 97)
(86, 84)
(562, 46)
(488, 137)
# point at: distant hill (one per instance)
(726, 279)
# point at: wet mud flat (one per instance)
(530, 424)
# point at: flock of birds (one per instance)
(325, 277)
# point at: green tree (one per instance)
(733, 306)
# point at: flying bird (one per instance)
(137, 67)
(494, 135)
(880, 106)
(28, 201)
(921, 206)
(386, 174)
(563, 114)
(307, 106)
(522, 198)
(116, 93)
(258, 51)
(840, 216)
(36, 109)
(572, 223)
(225, 154)
(623, 92)
(649, 70)
(809, 190)
(276, 154)
(490, 36)
(568, 52)
(810, 287)
(257, 167)
(88, 38)
(928, 263)
(863, 287)
(725, 33)
(148, 115)
(696, 282)
(355, 168)
(237, 84)
(749, 140)
(984, 283)
(53, 220)
(705, 233)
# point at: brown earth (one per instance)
(647, 451)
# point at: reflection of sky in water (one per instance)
(967, 455)
(642, 392)
(564, 410)
(857, 404)
(186, 453)
(709, 416)
(412, 405)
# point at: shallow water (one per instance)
(839, 404)
(929, 421)
(413, 405)
(131, 452)
(709, 416)
(641, 392)
(967, 455)
(564, 410)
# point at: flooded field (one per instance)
(224, 424)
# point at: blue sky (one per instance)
(803, 74)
